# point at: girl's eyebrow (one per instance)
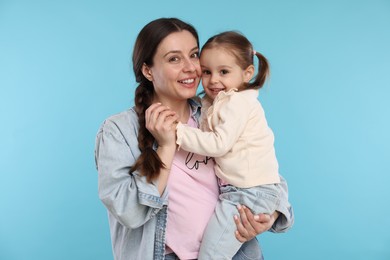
(219, 67)
(178, 51)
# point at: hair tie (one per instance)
(254, 52)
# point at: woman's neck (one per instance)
(181, 108)
(184, 113)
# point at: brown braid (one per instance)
(149, 163)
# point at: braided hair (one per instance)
(147, 42)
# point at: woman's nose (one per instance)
(189, 65)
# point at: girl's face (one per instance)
(176, 70)
(220, 71)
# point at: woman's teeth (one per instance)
(187, 81)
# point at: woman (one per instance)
(139, 166)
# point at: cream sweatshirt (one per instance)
(238, 138)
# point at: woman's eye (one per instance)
(195, 55)
(174, 59)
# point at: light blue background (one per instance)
(65, 66)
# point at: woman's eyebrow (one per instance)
(170, 52)
(178, 51)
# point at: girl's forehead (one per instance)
(220, 50)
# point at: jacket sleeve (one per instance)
(286, 216)
(228, 124)
(128, 197)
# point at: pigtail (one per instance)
(262, 71)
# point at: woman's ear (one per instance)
(147, 72)
(248, 73)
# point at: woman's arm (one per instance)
(286, 217)
(160, 123)
(249, 225)
(128, 197)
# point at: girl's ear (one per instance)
(147, 72)
(248, 73)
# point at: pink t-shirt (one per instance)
(193, 194)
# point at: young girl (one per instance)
(235, 132)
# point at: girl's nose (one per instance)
(214, 78)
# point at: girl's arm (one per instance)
(232, 115)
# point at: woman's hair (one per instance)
(146, 44)
(240, 47)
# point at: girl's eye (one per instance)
(223, 72)
(206, 72)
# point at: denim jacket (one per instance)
(137, 213)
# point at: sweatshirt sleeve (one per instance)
(228, 123)
(127, 196)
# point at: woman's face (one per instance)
(176, 69)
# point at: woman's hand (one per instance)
(160, 121)
(249, 225)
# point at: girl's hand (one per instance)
(249, 225)
(160, 121)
